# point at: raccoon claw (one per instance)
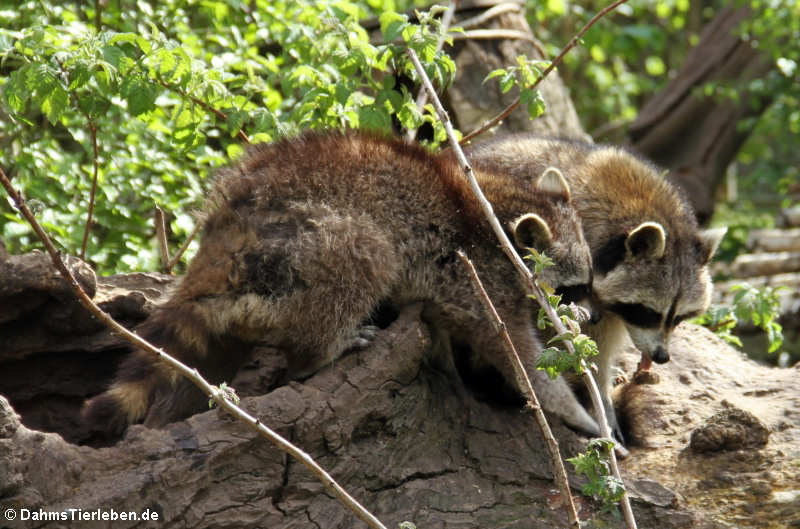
(364, 336)
(620, 377)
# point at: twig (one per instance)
(527, 277)
(197, 101)
(422, 97)
(177, 256)
(489, 14)
(161, 235)
(93, 192)
(192, 374)
(95, 156)
(486, 34)
(559, 472)
(98, 16)
(572, 43)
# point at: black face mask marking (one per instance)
(637, 314)
(609, 255)
(573, 293)
(673, 320)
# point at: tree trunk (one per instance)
(696, 136)
(411, 442)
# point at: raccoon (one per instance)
(304, 237)
(649, 257)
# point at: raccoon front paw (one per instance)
(619, 376)
(363, 337)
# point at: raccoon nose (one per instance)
(596, 316)
(660, 355)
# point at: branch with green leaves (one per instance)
(524, 72)
(528, 277)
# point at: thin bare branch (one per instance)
(95, 158)
(161, 235)
(177, 257)
(527, 277)
(489, 14)
(192, 374)
(422, 97)
(220, 114)
(572, 43)
(559, 471)
(488, 34)
(93, 192)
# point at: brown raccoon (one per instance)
(304, 237)
(649, 256)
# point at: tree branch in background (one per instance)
(161, 235)
(183, 248)
(95, 152)
(692, 135)
(221, 115)
(572, 43)
(218, 395)
(528, 279)
(93, 192)
(489, 14)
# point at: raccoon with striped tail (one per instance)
(649, 256)
(304, 237)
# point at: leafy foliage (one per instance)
(524, 75)
(760, 306)
(593, 464)
(174, 92)
(553, 360)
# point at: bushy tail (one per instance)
(128, 399)
(149, 391)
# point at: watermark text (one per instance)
(79, 515)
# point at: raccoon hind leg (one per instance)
(321, 283)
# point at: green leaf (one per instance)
(55, 103)
(392, 25)
(495, 73)
(113, 55)
(374, 118)
(140, 95)
(79, 75)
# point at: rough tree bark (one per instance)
(697, 137)
(410, 441)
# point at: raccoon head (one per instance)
(653, 282)
(561, 239)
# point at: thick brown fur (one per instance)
(649, 256)
(304, 237)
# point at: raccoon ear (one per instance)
(646, 241)
(709, 241)
(553, 181)
(531, 231)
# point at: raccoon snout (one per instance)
(660, 355)
(595, 317)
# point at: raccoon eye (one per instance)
(637, 314)
(573, 293)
